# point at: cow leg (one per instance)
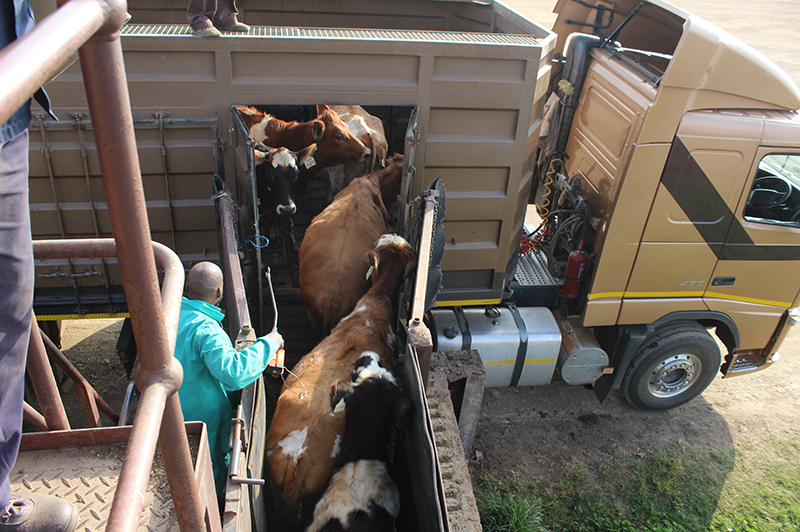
(291, 249)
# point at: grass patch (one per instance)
(682, 489)
(508, 506)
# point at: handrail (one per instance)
(92, 28)
(32, 60)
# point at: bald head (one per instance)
(204, 282)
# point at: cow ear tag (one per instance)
(339, 406)
(310, 162)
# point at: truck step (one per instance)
(533, 285)
(741, 365)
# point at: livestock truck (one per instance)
(660, 153)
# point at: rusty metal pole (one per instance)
(32, 60)
(159, 375)
(44, 383)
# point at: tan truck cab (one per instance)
(686, 146)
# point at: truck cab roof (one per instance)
(714, 68)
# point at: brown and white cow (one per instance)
(305, 435)
(336, 144)
(368, 129)
(277, 170)
(334, 254)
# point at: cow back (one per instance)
(334, 254)
(305, 436)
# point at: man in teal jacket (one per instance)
(211, 366)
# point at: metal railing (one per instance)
(91, 27)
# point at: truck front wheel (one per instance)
(674, 365)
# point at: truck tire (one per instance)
(673, 365)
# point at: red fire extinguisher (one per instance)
(576, 264)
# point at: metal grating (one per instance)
(532, 270)
(154, 30)
(87, 477)
(743, 364)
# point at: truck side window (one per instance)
(775, 195)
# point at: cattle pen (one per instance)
(460, 89)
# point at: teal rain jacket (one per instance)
(211, 368)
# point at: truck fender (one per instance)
(630, 337)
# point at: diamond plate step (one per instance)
(88, 477)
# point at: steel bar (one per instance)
(177, 458)
(84, 153)
(32, 416)
(159, 375)
(48, 159)
(89, 398)
(160, 116)
(418, 333)
(44, 383)
(32, 60)
(171, 287)
(235, 297)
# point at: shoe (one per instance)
(209, 31)
(238, 27)
(39, 513)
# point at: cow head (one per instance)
(369, 370)
(336, 144)
(277, 170)
(392, 260)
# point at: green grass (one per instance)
(753, 489)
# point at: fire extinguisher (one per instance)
(576, 265)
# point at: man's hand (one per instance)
(276, 336)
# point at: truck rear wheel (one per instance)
(674, 365)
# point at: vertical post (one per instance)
(44, 383)
(159, 375)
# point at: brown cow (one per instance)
(335, 248)
(369, 130)
(335, 143)
(305, 436)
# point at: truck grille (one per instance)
(155, 30)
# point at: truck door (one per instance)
(700, 187)
(757, 276)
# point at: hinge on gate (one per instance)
(219, 147)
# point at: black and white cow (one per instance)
(362, 494)
(277, 171)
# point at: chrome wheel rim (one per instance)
(674, 375)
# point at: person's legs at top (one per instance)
(225, 17)
(199, 15)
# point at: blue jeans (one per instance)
(16, 299)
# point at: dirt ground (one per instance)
(529, 429)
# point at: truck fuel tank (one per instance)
(581, 360)
(518, 346)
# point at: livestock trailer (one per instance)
(460, 87)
